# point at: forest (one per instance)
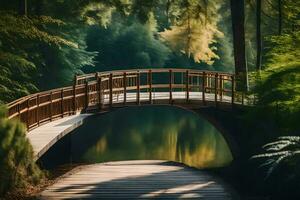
(44, 44)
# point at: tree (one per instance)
(23, 7)
(37, 48)
(258, 35)
(279, 17)
(194, 30)
(238, 31)
(17, 164)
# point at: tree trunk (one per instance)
(258, 35)
(279, 17)
(238, 31)
(23, 7)
(39, 7)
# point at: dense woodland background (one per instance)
(44, 43)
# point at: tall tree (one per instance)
(238, 31)
(23, 7)
(279, 17)
(258, 35)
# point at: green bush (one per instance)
(17, 166)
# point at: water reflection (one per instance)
(150, 132)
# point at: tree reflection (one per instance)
(156, 132)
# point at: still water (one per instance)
(147, 132)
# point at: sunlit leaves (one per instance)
(97, 13)
(12, 26)
(194, 30)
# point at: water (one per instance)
(148, 132)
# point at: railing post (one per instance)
(209, 83)
(51, 106)
(216, 89)
(187, 86)
(125, 87)
(221, 87)
(62, 102)
(203, 87)
(37, 110)
(18, 109)
(27, 120)
(110, 89)
(150, 85)
(98, 88)
(74, 94)
(243, 96)
(232, 89)
(86, 95)
(138, 88)
(171, 85)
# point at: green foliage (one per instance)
(20, 35)
(30, 28)
(277, 113)
(127, 44)
(35, 49)
(17, 165)
(281, 160)
(61, 64)
(280, 152)
(278, 86)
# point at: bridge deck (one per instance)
(43, 137)
(157, 96)
(137, 179)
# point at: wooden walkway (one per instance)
(43, 137)
(137, 180)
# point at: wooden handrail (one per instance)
(102, 89)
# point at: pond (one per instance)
(143, 133)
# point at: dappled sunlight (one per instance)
(138, 179)
(180, 189)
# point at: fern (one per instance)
(284, 151)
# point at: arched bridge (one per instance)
(102, 91)
(50, 115)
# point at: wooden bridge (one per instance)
(103, 90)
(50, 115)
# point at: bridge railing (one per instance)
(142, 86)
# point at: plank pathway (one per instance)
(43, 137)
(137, 180)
